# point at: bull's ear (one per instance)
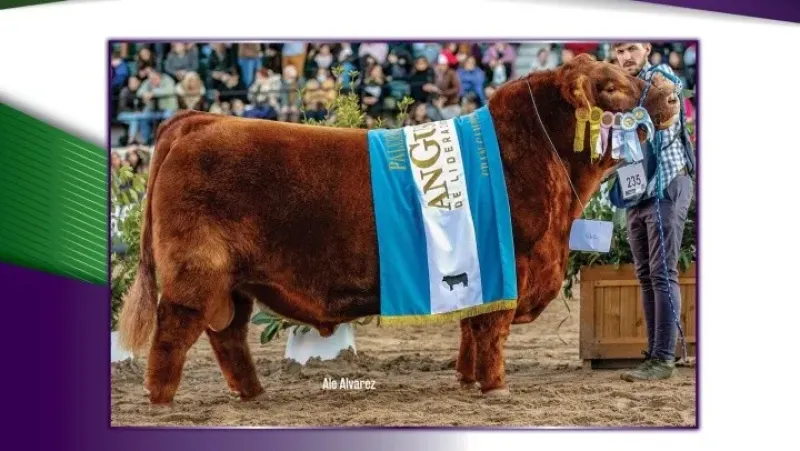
(575, 82)
(576, 90)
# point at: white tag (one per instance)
(590, 235)
(632, 180)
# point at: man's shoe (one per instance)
(651, 369)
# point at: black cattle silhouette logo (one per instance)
(456, 279)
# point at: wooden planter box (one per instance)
(613, 333)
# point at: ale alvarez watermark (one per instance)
(345, 383)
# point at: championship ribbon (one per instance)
(616, 137)
(582, 115)
(606, 122)
(594, 131)
(643, 119)
(631, 146)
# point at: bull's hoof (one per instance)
(497, 393)
(469, 385)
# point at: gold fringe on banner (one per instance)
(442, 318)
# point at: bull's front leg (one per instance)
(489, 332)
(466, 357)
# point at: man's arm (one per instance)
(166, 89)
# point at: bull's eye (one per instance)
(611, 88)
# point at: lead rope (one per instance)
(552, 146)
(569, 179)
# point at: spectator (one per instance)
(220, 65)
(290, 97)
(135, 159)
(472, 80)
(465, 50)
(319, 90)
(233, 88)
(656, 58)
(436, 108)
(119, 72)
(470, 103)
(543, 61)
(191, 92)
(448, 85)
(294, 54)
(566, 55)
(323, 58)
(676, 64)
(249, 59)
(422, 82)
(116, 161)
(272, 58)
(418, 114)
(373, 92)
(157, 101)
(266, 89)
(129, 102)
(180, 61)
(449, 52)
(237, 107)
(348, 62)
(316, 111)
(398, 71)
(489, 91)
(428, 50)
(377, 50)
(497, 55)
(261, 111)
(144, 62)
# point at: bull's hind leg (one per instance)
(233, 354)
(181, 318)
(490, 332)
(466, 357)
(177, 330)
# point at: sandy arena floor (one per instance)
(414, 373)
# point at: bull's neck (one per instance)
(542, 201)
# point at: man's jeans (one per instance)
(643, 235)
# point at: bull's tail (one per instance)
(137, 320)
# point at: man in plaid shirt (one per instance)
(677, 164)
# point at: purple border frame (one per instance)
(61, 378)
(783, 10)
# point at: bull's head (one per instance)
(584, 82)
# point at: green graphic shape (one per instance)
(8, 4)
(53, 199)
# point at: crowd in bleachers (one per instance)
(293, 81)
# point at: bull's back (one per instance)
(286, 198)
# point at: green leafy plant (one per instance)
(127, 193)
(599, 208)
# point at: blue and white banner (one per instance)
(443, 220)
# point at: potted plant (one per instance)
(612, 327)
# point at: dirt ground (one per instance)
(414, 373)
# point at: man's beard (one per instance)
(633, 67)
